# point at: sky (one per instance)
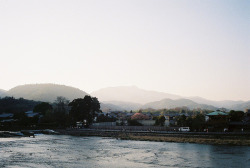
(188, 48)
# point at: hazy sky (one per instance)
(189, 48)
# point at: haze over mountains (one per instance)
(121, 98)
(224, 103)
(169, 103)
(119, 105)
(157, 100)
(131, 94)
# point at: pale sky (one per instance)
(189, 48)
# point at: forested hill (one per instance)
(45, 92)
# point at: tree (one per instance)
(198, 122)
(181, 121)
(48, 118)
(61, 104)
(105, 118)
(236, 115)
(12, 105)
(84, 109)
(60, 115)
(160, 120)
(139, 116)
(43, 108)
(24, 120)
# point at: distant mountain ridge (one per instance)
(220, 104)
(169, 103)
(45, 92)
(131, 94)
(127, 95)
(241, 106)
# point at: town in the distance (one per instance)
(51, 106)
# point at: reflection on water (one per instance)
(69, 151)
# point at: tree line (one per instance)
(60, 114)
(198, 122)
(12, 105)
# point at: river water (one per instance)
(70, 151)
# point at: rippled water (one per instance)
(69, 151)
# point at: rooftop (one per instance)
(217, 113)
(6, 115)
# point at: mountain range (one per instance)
(121, 98)
(169, 103)
(131, 94)
(224, 103)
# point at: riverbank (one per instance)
(26, 133)
(213, 138)
(241, 139)
(194, 139)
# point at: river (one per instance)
(47, 151)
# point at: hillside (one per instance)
(241, 106)
(221, 104)
(131, 94)
(106, 107)
(169, 103)
(129, 98)
(124, 105)
(45, 92)
(2, 93)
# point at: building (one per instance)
(6, 116)
(217, 121)
(6, 119)
(31, 114)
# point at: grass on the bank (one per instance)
(215, 141)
